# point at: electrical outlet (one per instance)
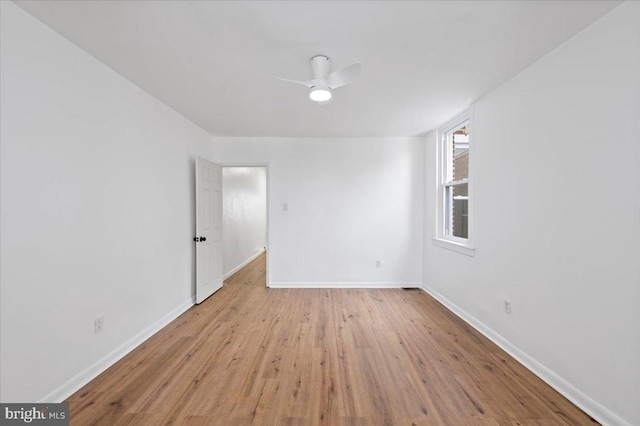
(378, 264)
(285, 207)
(98, 324)
(507, 306)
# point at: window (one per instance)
(453, 186)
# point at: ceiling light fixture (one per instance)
(324, 82)
(320, 93)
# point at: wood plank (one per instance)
(252, 355)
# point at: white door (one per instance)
(208, 237)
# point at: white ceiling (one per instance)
(215, 62)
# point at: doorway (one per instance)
(245, 216)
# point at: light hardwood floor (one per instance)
(252, 355)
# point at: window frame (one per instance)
(444, 163)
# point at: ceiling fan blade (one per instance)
(309, 84)
(343, 76)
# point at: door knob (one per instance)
(195, 239)
(203, 238)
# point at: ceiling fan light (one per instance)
(320, 93)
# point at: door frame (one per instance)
(268, 207)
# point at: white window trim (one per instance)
(459, 245)
(463, 248)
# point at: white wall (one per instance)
(351, 201)
(244, 215)
(555, 165)
(97, 216)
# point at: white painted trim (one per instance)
(455, 246)
(243, 264)
(344, 284)
(72, 385)
(457, 182)
(591, 407)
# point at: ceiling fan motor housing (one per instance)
(320, 65)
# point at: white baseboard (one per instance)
(348, 284)
(594, 409)
(79, 380)
(243, 264)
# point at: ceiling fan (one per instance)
(324, 83)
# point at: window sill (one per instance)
(465, 249)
